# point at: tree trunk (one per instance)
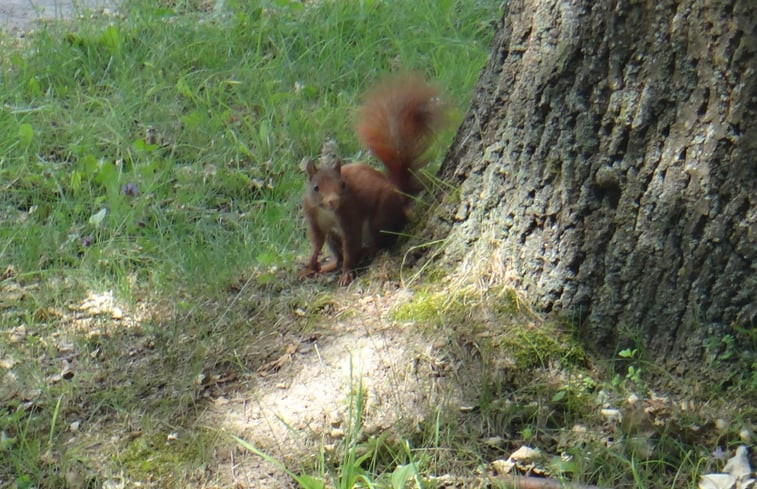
(608, 168)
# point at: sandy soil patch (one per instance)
(303, 403)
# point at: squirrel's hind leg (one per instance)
(334, 244)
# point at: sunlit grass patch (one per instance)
(165, 144)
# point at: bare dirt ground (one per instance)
(303, 380)
(304, 402)
(19, 16)
(304, 399)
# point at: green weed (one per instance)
(430, 305)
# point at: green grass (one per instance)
(155, 155)
(205, 116)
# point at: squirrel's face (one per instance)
(326, 189)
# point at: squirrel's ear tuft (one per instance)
(307, 165)
(330, 154)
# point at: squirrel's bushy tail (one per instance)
(397, 121)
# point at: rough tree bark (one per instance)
(608, 167)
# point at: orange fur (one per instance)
(355, 209)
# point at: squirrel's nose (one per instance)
(331, 202)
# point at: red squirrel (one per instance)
(354, 208)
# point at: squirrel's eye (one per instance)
(315, 188)
(344, 186)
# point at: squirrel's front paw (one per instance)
(346, 278)
(309, 271)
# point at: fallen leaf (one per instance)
(97, 218)
(9, 386)
(8, 362)
(612, 415)
(738, 465)
(525, 454)
(117, 313)
(502, 467)
(48, 458)
(9, 272)
(11, 293)
(275, 365)
(717, 481)
(47, 314)
(67, 372)
(494, 441)
(17, 334)
(737, 471)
